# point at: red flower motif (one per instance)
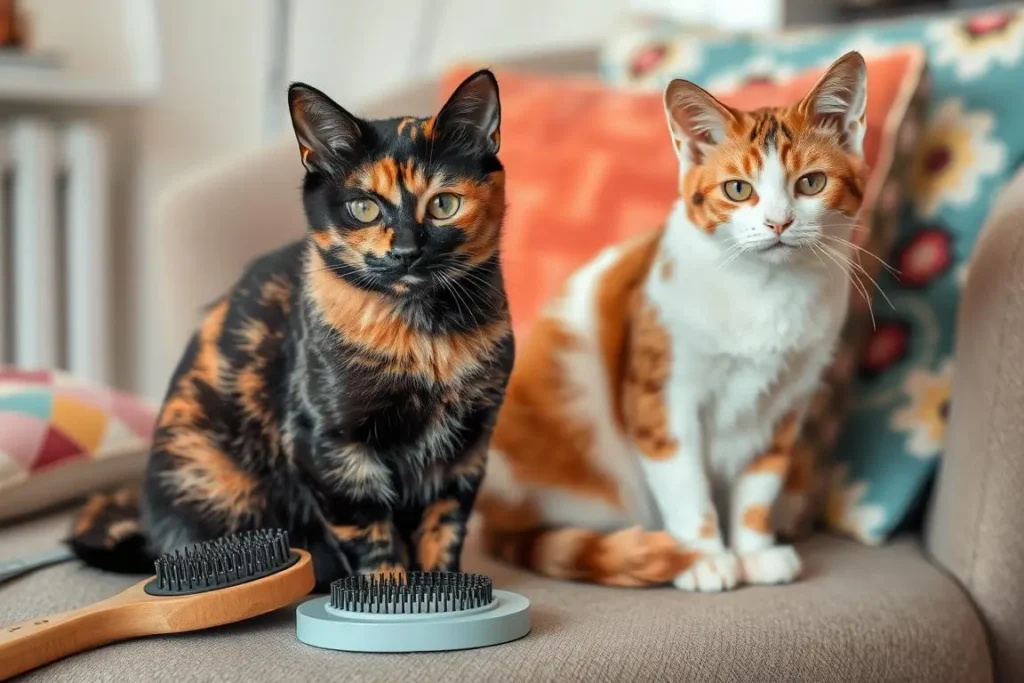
(989, 22)
(937, 159)
(924, 257)
(887, 346)
(647, 58)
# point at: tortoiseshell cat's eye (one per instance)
(363, 210)
(811, 184)
(737, 190)
(444, 206)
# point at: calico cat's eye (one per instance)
(363, 210)
(811, 184)
(444, 206)
(737, 190)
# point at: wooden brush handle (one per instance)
(135, 613)
(43, 640)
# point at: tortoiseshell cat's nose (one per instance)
(406, 255)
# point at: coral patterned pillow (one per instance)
(589, 165)
(971, 145)
(61, 438)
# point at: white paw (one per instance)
(777, 564)
(711, 574)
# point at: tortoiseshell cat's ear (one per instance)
(696, 119)
(325, 131)
(472, 114)
(839, 100)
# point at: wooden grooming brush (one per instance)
(213, 583)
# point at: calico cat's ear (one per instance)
(839, 99)
(325, 131)
(473, 113)
(696, 119)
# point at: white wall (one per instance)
(215, 56)
(357, 51)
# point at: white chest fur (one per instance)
(750, 339)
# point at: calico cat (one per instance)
(347, 387)
(648, 426)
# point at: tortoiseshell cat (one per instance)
(649, 425)
(347, 387)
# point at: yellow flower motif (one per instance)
(926, 417)
(845, 513)
(954, 153)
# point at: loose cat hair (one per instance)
(647, 434)
(346, 388)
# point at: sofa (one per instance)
(941, 603)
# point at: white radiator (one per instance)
(55, 247)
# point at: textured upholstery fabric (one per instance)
(861, 614)
(975, 525)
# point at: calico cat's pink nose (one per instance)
(778, 227)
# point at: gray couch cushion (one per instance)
(861, 614)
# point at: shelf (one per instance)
(54, 86)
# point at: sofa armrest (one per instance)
(974, 528)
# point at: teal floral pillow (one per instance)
(894, 433)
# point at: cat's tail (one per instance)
(108, 533)
(631, 557)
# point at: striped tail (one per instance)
(631, 557)
(108, 534)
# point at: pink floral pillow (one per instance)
(61, 438)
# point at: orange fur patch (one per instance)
(408, 124)
(118, 531)
(374, 240)
(182, 407)
(205, 476)
(323, 239)
(347, 532)
(628, 558)
(770, 463)
(428, 128)
(542, 445)
(479, 219)
(380, 177)
(276, 292)
(615, 296)
(757, 518)
(644, 388)
(437, 538)
(90, 513)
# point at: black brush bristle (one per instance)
(412, 593)
(222, 562)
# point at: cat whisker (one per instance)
(861, 269)
(893, 271)
(854, 280)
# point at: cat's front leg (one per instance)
(754, 493)
(360, 507)
(673, 464)
(372, 547)
(441, 532)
